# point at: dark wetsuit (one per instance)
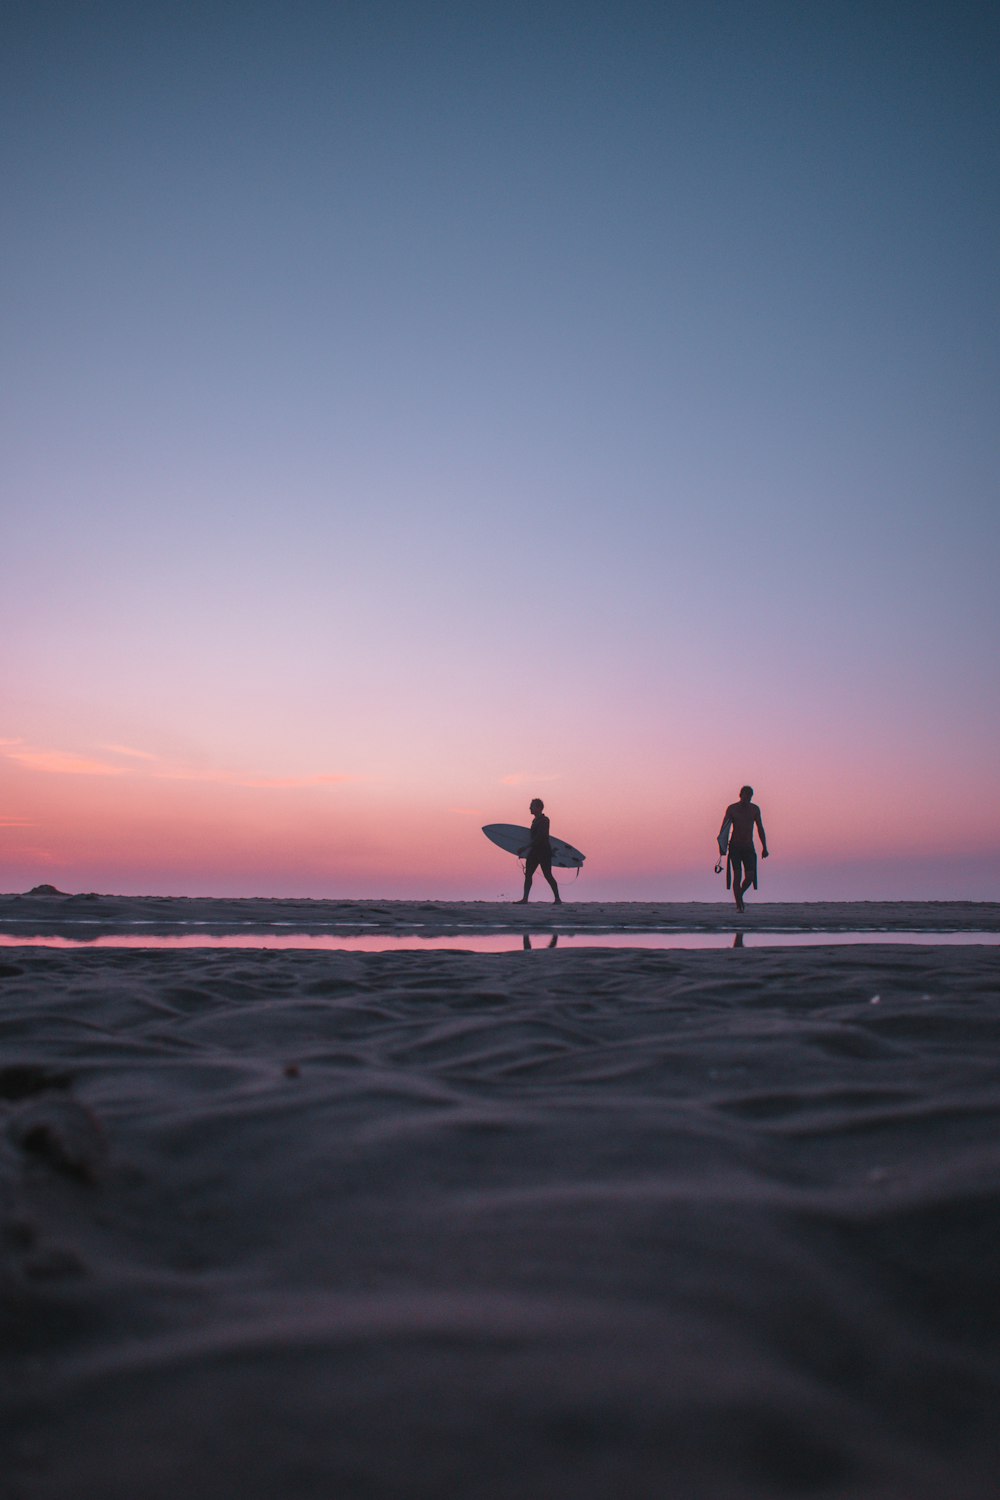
(540, 850)
(742, 862)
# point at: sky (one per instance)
(410, 409)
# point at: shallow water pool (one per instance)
(478, 942)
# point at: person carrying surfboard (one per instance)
(538, 853)
(736, 841)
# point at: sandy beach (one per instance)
(73, 914)
(714, 1225)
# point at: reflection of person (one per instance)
(736, 838)
(538, 852)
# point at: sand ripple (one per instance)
(530, 1225)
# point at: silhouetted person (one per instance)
(538, 852)
(736, 835)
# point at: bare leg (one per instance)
(738, 888)
(547, 872)
(529, 871)
(749, 877)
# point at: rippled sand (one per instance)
(500, 1227)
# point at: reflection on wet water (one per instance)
(469, 942)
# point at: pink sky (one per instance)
(113, 818)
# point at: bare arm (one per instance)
(763, 835)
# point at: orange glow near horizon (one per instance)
(79, 822)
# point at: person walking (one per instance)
(538, 854)
(736, 842)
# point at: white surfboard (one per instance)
(516, 840)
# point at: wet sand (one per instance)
(41, 914)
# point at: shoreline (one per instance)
(37, 914)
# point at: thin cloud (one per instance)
(130, 752)
(291, 782)
(246, 778)
(63, 763)
(147, 766)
